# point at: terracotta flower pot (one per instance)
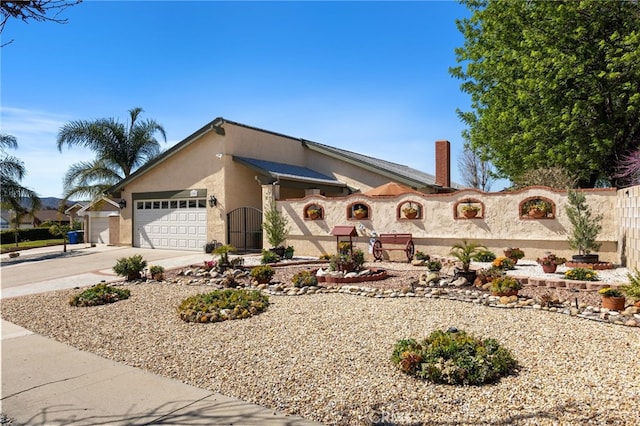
(470, 213)
(411, 214)
(549, 269)
(613, 303)
(536, 213)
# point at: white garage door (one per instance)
(99, 230)
(170, 224)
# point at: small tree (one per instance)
(275, 225)
(585, 227)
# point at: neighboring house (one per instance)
(215, 184)
(97, 219)
(5, 220)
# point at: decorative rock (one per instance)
(417, 262)
(631, 310)
(460, 282)
(631, 323)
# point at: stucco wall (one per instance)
(500, 223)
(628, 213)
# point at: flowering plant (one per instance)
(503, 263)
(610, 292)
(470, 208)
(514, 253)
(581, 274)
(505, 284)
(551, 259)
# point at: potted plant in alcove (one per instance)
(585, 228)
(276, 227)
(360, 211)
(314, 212)
(464, 251)
(470, 210)
(410, 212)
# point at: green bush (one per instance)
(581, 274)
(221, 305)
(130, 267)
(304, 279)
(505, 284)
(434, 265)
(454, 357)
(269, 257)
(99, 294)
(422, 256)
(484, 256)
(29, 234)
(263, 273)
(632, 290)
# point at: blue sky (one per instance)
(370, 77)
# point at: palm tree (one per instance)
(12, 193)
(119, 149)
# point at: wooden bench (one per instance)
(385, 240)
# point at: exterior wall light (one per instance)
(122, 204)
(213, 201)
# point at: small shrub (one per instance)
(222, 305)
(99, 294)
(632, 290)
(434, 265)
(484, 256)
(156, 272)
(503, 263)
(269, 257)
(237, 262)
(263, 273)
(610, 292)
(421, 256)
(505, 284)
(454, 357)
(130, 267)
(304, 279)
(581, 274)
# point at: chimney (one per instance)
(443, 163)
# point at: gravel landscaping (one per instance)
(326, 357)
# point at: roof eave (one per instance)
(213, 125)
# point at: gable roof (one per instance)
(394, 171)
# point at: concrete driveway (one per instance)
(47, 269)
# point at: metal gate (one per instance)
(244, 229)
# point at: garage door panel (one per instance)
(176, 228)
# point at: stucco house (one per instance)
(212, 186)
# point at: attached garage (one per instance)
(179, 224)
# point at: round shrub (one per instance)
(434, 265)
(304, 279)
(262, 274)
(484, 256)
(222, 305)
(454, 357)
(581, 274)
(269, 257)
(99, 294)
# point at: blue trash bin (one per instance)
(73, 237)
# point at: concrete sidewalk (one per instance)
(49, 383)
(45, 382)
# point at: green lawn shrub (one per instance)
(222, 305)
(454, 357)
(99, 294)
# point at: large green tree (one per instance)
(12, 194)
(120, 149)
(552, 84)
